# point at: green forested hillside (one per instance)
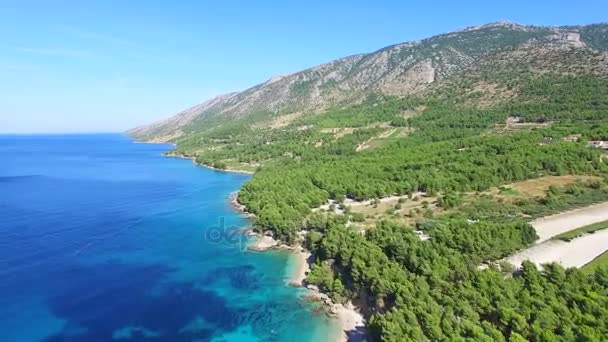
(523, 106)
(450, 150)
(432, 290)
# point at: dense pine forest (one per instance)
(449, 150)
(433, 290)
(522, 112)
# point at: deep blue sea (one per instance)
(104, 239)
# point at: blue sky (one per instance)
(100, 66)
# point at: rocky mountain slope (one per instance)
(168, 129)
(400, 69)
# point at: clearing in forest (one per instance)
(536, 187)
(385, 137)
(397, 208)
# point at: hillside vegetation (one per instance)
(440, 122)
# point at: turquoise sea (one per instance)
(104, 239)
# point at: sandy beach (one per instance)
(301, 267)
(351, 324)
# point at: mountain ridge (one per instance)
(400, 69)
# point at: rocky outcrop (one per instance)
(572, 39)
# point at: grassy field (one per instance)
(396, 208)
(601, 260)
(535, 187)
(568, 236)
(408, 211)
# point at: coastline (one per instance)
(350, 323)
(155, 142)
(229, 170)
(302, 260)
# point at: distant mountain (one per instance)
(401, 69)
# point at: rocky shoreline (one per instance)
(229, 170)
(351, 321)
(233, 199)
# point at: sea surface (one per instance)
(103, 239)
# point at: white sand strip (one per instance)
(575, 253)
(352, 324)
(550, 226)
(263, 243)
(301, 267)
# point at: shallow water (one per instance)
(104, 239)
